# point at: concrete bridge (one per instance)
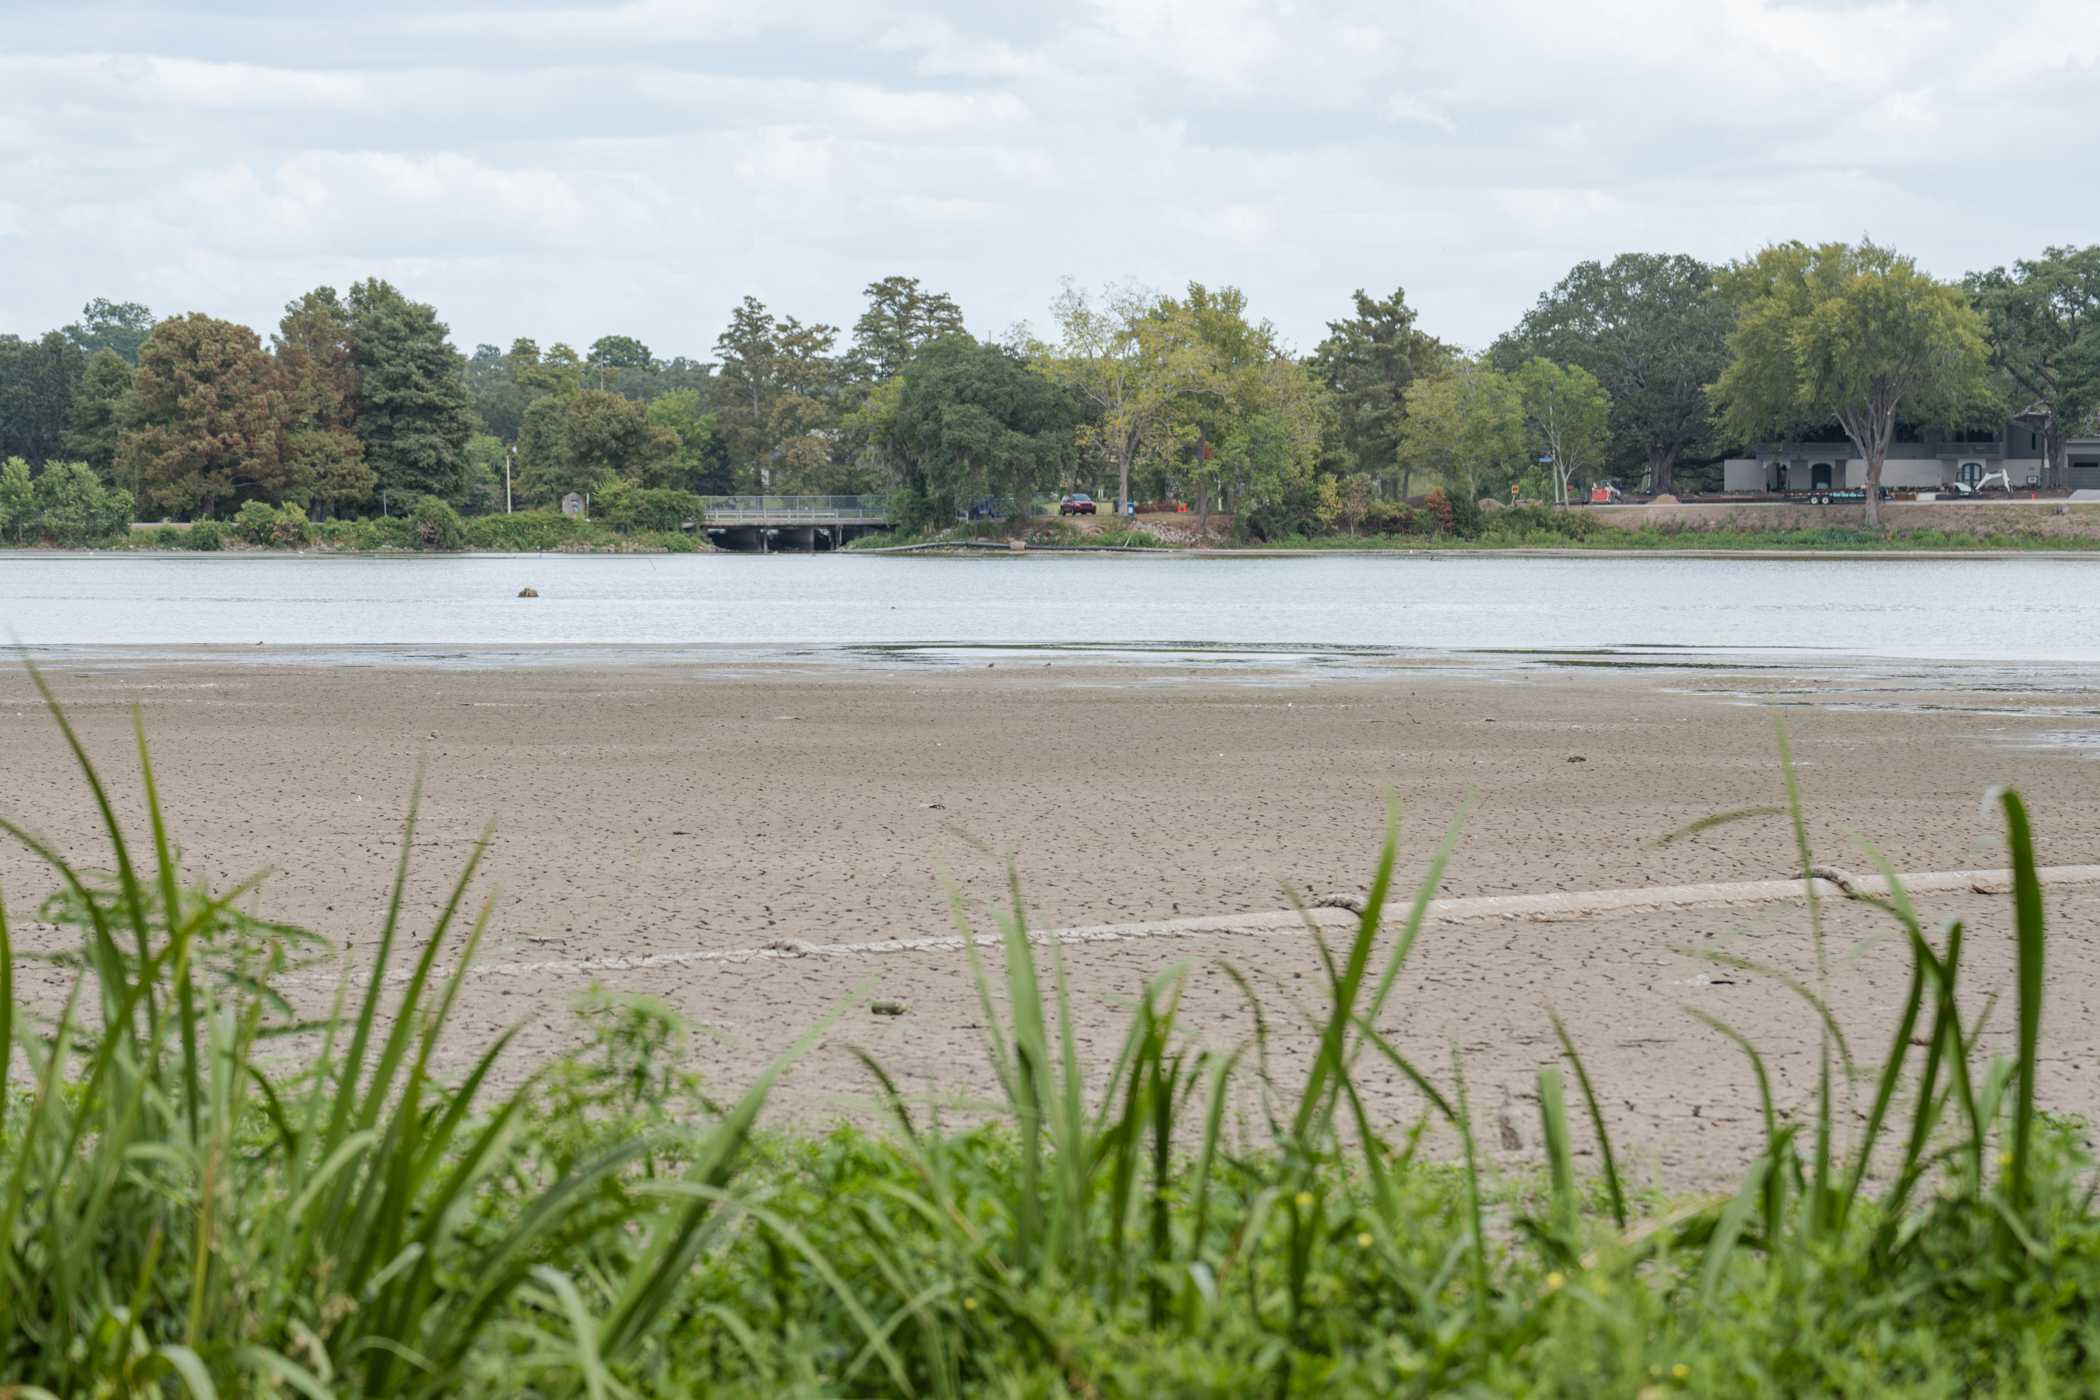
(800, 523)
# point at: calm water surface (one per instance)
(1995, 610)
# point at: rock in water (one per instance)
(528, 593)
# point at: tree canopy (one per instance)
(411, 407)
(1467, 426)
(1850, 333)
(901, 317)
(1367, 362)
(117, 326)
(776, 380)
(973, 421)
(1653, 330)
(1567, 413)
(205, 425)
(2043, 316)
(38, 379)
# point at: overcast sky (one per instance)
(565, 170)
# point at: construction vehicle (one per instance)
(2000, 478)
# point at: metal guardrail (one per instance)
(789, 510)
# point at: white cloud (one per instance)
(567, 169)
(176, 84)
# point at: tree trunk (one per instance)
(2056, 470)
(1876, 452)
(1661, 473)
(1122, 483)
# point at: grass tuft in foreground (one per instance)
(203, 1192)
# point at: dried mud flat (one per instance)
(648, 814)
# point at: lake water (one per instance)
(1963, 610)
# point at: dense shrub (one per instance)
(206, 535)
(1545, 525)
(634, 509)
(436, 525)
(255, 522)
(291, 529)
(526, 531)
(64, 503)
(1437, 512)
(1391, 518)
(669, 541)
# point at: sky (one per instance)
(567, 169)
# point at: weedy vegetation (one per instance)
(204, 1191)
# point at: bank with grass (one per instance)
(1541, 528)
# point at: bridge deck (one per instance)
(814, 511)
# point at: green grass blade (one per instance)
(2029, 926)
(1612, 1184)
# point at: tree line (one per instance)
(1647, 368)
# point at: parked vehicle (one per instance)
(1077, 503)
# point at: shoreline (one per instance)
(992, 550)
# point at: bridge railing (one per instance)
(777, 510)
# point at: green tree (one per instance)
(324, 454)
(493, 396)
(606, 437)
(587, 442)
(1239, 388)
(901, 317)
(1853, 334)
(98, 411)
(701, 463)
(1367, 362)
(1269, 465)
(119, 326)
(2044, 321)
(17, 499)
(1132, 368)
(411, 405)
(38, 379)
(560, 371)
(1466, 425)
(72, 507)
(775, 398)
(1568, 415)
(618, 361)
(486, 458)
(205, 426)
(1654, 331)
(975, 421)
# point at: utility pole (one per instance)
(510, 455)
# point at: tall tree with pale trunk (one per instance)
(1566, 411)
(1855, 334)
(1131, 363)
